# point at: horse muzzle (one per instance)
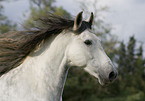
(107, 74)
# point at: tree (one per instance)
(41, 8)
(131, 68)
(122, 59)
(131, 55)
(140, 61)
(5, 24)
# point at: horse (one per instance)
(34, 64)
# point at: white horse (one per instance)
(42, 58)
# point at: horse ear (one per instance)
(90, 20)
(78, 21)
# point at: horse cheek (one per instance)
(77, 57)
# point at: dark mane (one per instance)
(16, 46)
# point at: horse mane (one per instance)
(16, 46)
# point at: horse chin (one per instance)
(96, 75)
(101, 81)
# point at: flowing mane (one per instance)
(16, 46)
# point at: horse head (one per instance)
(85, 51)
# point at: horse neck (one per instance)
(44, 72)
(53, 61)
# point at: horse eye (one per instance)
(88, 42)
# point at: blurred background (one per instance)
(120, 24)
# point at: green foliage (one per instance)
(136, 97)
(41, 8)
(122, 58)
(131, 74)
(5, 24)
(131, 55)
(61, 12)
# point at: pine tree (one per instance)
(130, 63)
(140, 52)
(131, 55)
(140, 61)
(122, 59)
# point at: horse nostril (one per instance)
(112, 76)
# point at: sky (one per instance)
(127, 17)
